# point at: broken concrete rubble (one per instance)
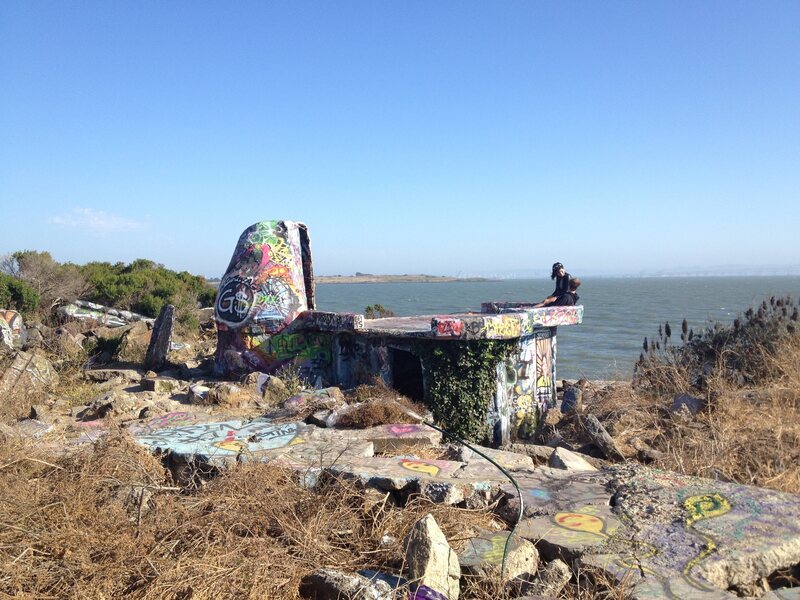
(490, 553)
(329, 584)
(110, 317)
(430, 559)
(28, 371)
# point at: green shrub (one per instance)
(146, 287)
(17, 295)
(377, 311)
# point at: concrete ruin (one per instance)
(266, 318)
(666, 535)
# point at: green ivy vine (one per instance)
(461, 381)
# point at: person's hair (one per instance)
(554, 272)
(574, 283)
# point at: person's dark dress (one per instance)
(567, 299)
(562, 285)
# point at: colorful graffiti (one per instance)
(263, 290)
(14, 321)
(327, 321)
(447, 327)
(224, 439)
(531, 381)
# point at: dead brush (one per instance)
(109, 521)
(749, 435)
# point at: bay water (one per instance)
(618, 312)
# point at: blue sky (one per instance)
(436, 137)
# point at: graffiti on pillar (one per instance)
(545, 369)
(531, 381)
(261, 293)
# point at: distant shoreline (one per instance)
(395, 279)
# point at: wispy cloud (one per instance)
(95, 222)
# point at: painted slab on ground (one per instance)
(698, 535)
(396, 473)
(399, 437)
(225, 440)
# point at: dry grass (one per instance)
(110, 521)
(748, 435)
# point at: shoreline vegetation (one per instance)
(416, 278)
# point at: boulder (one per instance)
(561, 458)
(198, 393)
(430, 559)
(33, 338)
(161, 385)
(133, 344)
(110, 374)
(6, 337)
(159, 343)
(483, 555)
(692, 404)
(548, 582)
(231, 395)
(329, 584)
(572, 400)
(29, 370)
(115, 403)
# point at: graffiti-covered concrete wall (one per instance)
(268, 283)
(266, 319)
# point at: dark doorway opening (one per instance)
(407, 374)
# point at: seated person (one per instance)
(559, 273)
(568, 299)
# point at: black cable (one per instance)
(506, 473)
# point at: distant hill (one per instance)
(368, 278)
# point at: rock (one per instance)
(162, 385)
(329, 584)
(430, 559)
(32, 428)
(549, 581)
(159, 344)
(99, 375)
(506, 459)
(6, 337)
(572, 400)
(330, 398)
(319, 418)
(538, 453)
(133, 344)
(645, 451)
(423, 592)
(198, 394)
(600, 437)
(34, 338)
(483, 555)
(69, 344)
(37, 411)
(275, 390)
(561, 458)
(230, 395)
(692, 404)
(28, 371)
(114, 403)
